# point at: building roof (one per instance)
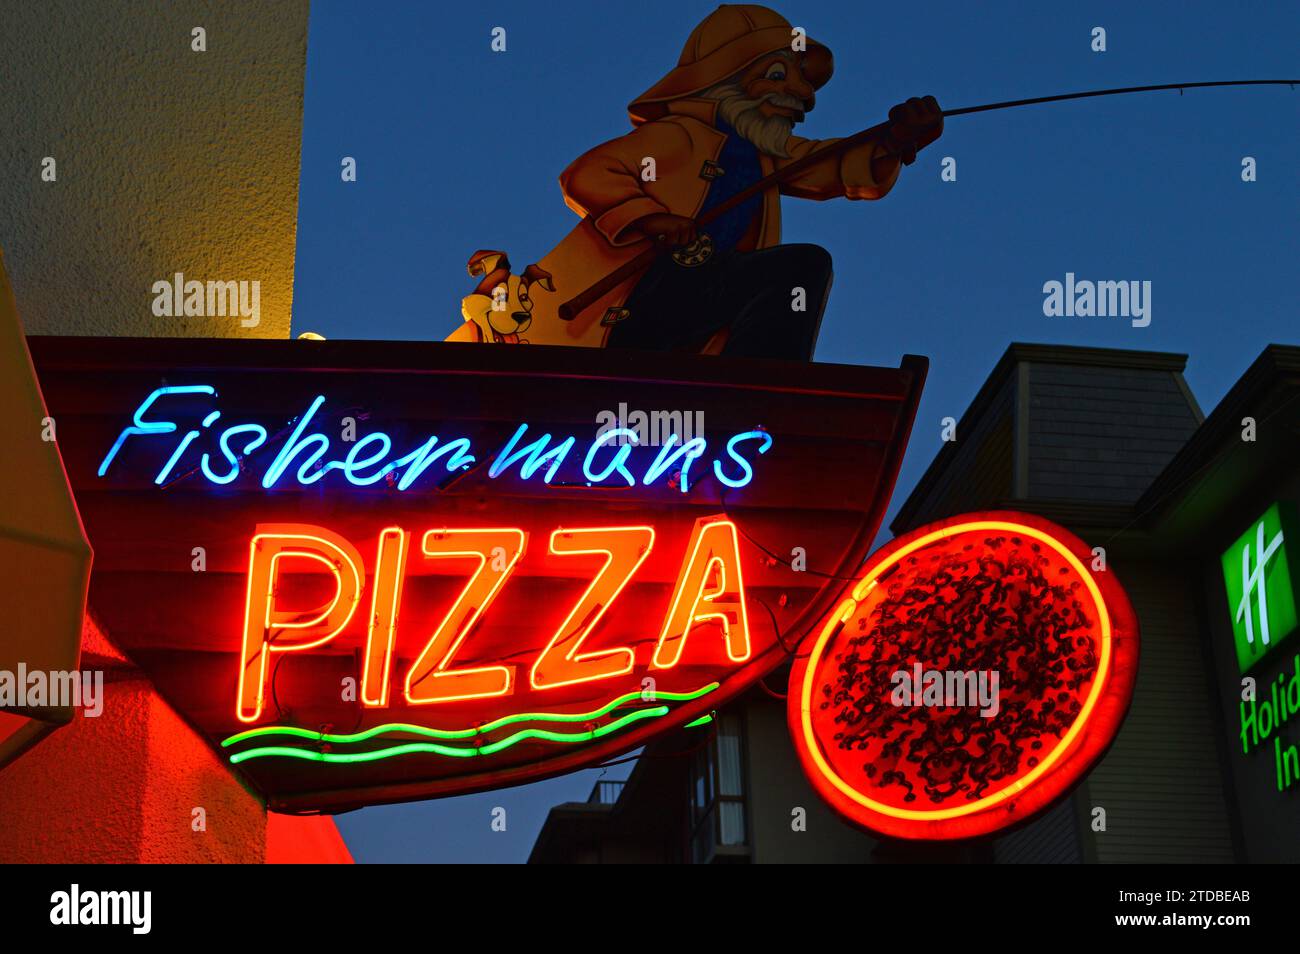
(1002, 375)
(1218, 469)
(1209, 468)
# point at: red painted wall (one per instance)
(129, 785)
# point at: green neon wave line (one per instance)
(702, 720)
(451, 734)
(549, 735)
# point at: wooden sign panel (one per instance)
(376, 571)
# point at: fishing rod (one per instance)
(579, 303)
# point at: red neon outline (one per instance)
(1059, 770)
(387, 614)
(313, 541)
(573, 661)
(440, 671)
(676, 645)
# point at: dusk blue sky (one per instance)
(459, 148)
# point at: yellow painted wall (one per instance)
(167, 160)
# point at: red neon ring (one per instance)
(1058, 771)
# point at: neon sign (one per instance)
(371, 459)
(1259, 576)
(1264, 713)
(452, 600)
(375, 578)
(1261, 584)
(1009, 593)
(471, 733)
(709, 588)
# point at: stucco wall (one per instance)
(167, 160)
(122, 788)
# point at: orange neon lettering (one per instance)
(562, 663)
(709, 587)
(430, 679)
(268, 629)
(390, 571)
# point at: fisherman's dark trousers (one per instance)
(755, 294)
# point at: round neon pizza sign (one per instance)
(976, 670)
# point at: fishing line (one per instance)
(583, 300)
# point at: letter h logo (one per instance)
(1257, 575)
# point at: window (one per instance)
(718, 830)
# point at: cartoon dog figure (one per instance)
(499, 310)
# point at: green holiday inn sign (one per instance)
(1259, 573)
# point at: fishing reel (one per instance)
(696, 253)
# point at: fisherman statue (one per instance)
(716, 124)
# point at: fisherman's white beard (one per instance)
(769, 133)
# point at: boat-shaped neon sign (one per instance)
(377, 571)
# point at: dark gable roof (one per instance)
(1016, 354)
(1270, 387)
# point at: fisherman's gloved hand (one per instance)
(666, 229)
(913, 125)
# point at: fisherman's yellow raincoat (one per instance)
(676, 128)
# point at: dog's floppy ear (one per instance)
(484, 261)
(535, 273)
(493, 266)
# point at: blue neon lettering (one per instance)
(692, 450)
(352, 465)
(176, 455)
(305, 474)
(421, 459)
(151, 427)
(535, 459)
(731, 450)
(231, 459)
(291, 449)
(620, 458)
(180, 449)
(365, 465)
